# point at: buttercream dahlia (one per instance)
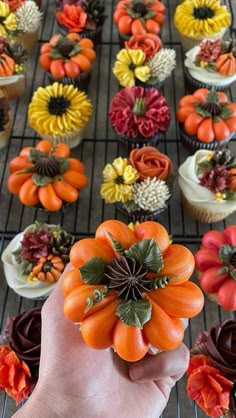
(137, 111)
(58, 110)
(201, 18)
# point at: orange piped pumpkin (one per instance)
(43, 174)
(125, 291)
(226, 64)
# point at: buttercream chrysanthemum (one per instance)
(118, 178)
(129, 65)
(58, 110)
(28, 17)
(151, 194)
(162, 64)
(201, 17)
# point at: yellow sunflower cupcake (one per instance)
(60, 113)
(199, 19)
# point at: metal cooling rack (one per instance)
(98, 148)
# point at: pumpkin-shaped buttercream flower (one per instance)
(118, 178)
(129, 65)
(129, 288)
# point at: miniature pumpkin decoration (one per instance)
(208, 115)
(49, 268)
(46, 175)
(232, 179)
(216, 264)
(128, 289)
(134, 17)
(67, 56)
(226, 64)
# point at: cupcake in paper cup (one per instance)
(141, 186)
(6, 121)
(200, 19)
(133, 68)
(85, 17)
(207, 120)
(12, 69)
(35, 259)
(207, 182)
(68, 59)
(140, 117)
(211, 64)
(20, 22)
(60, 113)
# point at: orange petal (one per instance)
(150, 229)
(178, 261)
(128, 342)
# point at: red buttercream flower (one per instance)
(206, 385)
(72, 17)
(137, 111)
(14, 375)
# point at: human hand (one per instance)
(77, 381)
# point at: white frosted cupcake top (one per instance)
(201, 74)
(195, 193)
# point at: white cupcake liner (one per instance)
(189, 42)
(5, 135)
(72, 140)
(13, 87)
(27, 40)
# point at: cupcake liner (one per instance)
(189, 43)
(140, 141)
(72, 140)
(192, 84)
(14, 90)
(95, 35)
(158, 85)
(139, 215)
(82, 82)
(27, 40)
(5, 135)
(122, 39)
(201, 214)
(192, 144)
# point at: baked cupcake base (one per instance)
(139, 215)
(14, 90)
(192, 144)
(189, 43)
(192, 84)
(5, 135)
(27, 40)
(158, 85)
(139, 141)
(82, 82)
(72, 140)
(201, 214)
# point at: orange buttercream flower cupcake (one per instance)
(149, 162)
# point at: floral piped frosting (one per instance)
(137, 111)
(201, 18)
(57, 110)
(142, 182)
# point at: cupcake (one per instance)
(83, 16)
(35, 259)
(207, 120)
(60, 113)
(216, 264)
(133, 287)
(20, 22)
(20, 344)
(68, 59)
(141, 186)
(208, 185)
(46, 177)
(200, 19)
(212, 370)
(139, 17)
(139, 116)
(133, 68)
(211, 64)
(12, 69)
(5, 121)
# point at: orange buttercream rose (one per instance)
(149, 162)
(72, 17)
(148, 43)
(14, 375)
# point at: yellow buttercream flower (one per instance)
(3, 31)
(219, 197)
(32, 278)
(10, 22)
(129, 65)
(59, 110)
(118, 178)
(201, 18)
(4, 9)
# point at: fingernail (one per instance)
(136, 373)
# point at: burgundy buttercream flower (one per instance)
(137, 111)
(35, 245)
